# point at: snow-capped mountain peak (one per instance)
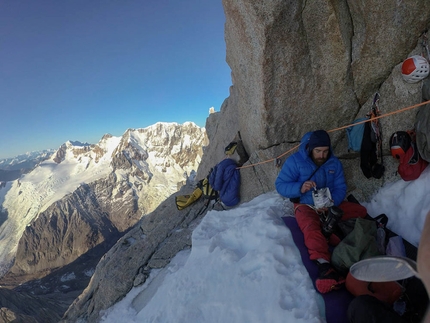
(147, 164)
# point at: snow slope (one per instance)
(245, 268)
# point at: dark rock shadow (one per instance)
(53, 293)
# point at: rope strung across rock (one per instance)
(340, 128)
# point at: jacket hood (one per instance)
(304, 145)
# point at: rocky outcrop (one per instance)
(299, 66)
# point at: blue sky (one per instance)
(77, 69)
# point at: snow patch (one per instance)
(68, 277)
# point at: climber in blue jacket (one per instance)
(300, 168)
(314, 167)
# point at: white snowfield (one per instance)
(244, 267)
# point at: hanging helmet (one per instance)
(400, 142)
(415, 69)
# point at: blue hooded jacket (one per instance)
(225, 178)
(299, 167)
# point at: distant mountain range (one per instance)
(13, 168)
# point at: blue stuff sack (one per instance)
(355, 135)
(396, 247)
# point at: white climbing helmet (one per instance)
(415, 68)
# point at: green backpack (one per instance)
(359, 244)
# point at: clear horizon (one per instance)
(78, 70)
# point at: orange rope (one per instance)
(340, 128)
(270, 160)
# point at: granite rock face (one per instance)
(299, 66)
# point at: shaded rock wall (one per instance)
(299, 66)
(35, 309)
(70, 228)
